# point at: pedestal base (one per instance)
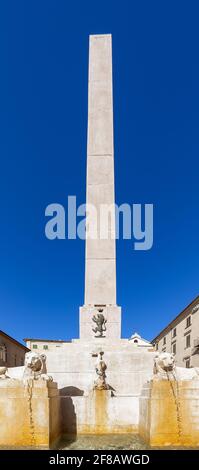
(29, 415)
(169, 413)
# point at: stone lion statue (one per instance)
(165, 368)
(35, 367)
(163, 364)
(3, 373)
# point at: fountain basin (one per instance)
(169, 413)
(29, 414)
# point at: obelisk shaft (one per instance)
(100, 272)
(100, 317)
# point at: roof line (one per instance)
(14, 340)
(172, 321)
(48, 340)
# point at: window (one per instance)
(174, 332)
(187, 363)
(164, 340)
(45, 346)
(156, 347)
(174, 348)
(188, 321)
(34, 346)
(3, 353)
(188, 341)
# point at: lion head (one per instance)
(35, 364)
(163, 363)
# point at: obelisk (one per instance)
(100, 268)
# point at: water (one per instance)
(104, 442)
(175, 391)
(110, 442)
(29, 386)
(96, 442)
(101, 442)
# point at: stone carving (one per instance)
(165, 368)
(4, 373)
(164, 363)
(35, 367)
(100, 322)
(100, 368)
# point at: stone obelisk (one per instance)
(100, 317)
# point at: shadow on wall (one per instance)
(69, 418)
(71, 392)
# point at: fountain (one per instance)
(119, 394)
(29, 406)
(169, 405)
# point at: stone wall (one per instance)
(29, 415)
(73, 367)
(169, 413)
(100, 412)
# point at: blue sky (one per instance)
(43, 126)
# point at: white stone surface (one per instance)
(100, 272)
(100, 55)
(96, 249)
(128, 369)
(73, 366)
(112, 315)
(98, 194)
(16, 372)
(100, 129)
(100, 170)
(100, 286)
(119, 414)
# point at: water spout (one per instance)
(29, 388)
(176, 395)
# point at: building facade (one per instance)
(12, 353)
(42, 345)
(181, 336)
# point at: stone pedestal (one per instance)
(112, 315)
(29, 415)
(169, 413)
(73, 366)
